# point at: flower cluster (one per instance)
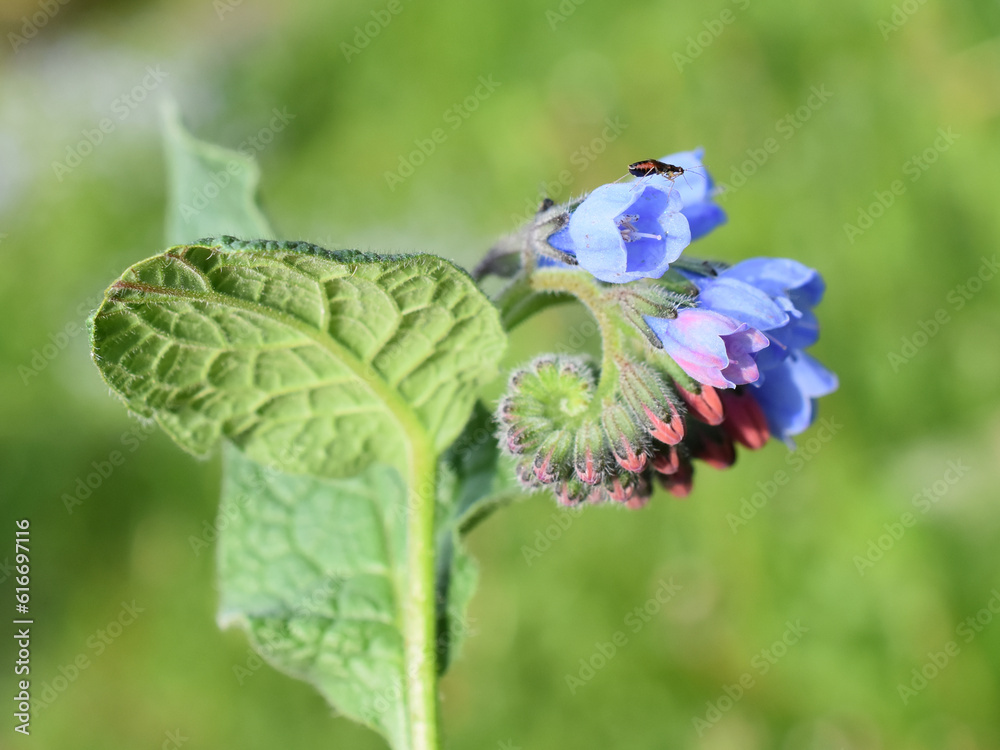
(775, 298)
(721, 360)
(649, 429)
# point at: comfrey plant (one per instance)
(697, 356)
(345, 388)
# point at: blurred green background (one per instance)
(893, 77)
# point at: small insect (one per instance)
(652, 166)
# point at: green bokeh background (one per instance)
(324, 179)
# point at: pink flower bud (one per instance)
(705, 406)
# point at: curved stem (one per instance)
(419, 609)
(582, 286)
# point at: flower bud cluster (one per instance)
(614, 449)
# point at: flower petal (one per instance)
(787, 394)
(710, 347)
(741, 301)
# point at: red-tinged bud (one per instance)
(624, 437)
(715, 448)
(680, 482)
(571, 492)
(618, 492)
(745, 421)
(667, 461)
(630, 490)
(553, 459)
(514, 444)
(651, 402)
(590, 453)
(705, 405)
(670, 432)
(526, 475)
(637, 501)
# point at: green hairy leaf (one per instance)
(346, 355)
(338, 380)
(314, 570)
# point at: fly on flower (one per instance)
(652, 166)
(648, 167)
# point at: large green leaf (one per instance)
(345, 355)
(314, 570)
(349, 367)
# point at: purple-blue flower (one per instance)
(712, 348)
(629, 231)
(776, 296)
(696, 188)
(787, 393)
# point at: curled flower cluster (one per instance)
(650, 429)
(738, 333)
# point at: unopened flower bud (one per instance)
(666, 461)
(590, 453)
(715, 448)
(745, 421)
(553, 460)
(626, 440)
(651, 403)
(572, 492)
(704, 405)
(678, 483)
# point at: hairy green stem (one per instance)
(419, 609)
(582, 286)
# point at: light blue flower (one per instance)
(629, 231)
(787, 393)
